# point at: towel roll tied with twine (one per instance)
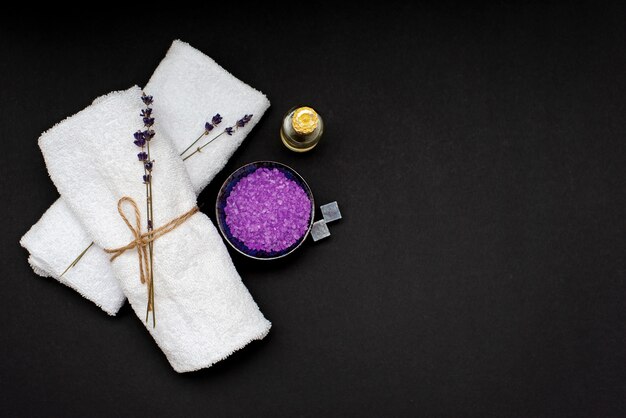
(205, 311)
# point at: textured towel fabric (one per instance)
(189, 88)
(55, 240)
(203, 310)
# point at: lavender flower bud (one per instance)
(208, 127)
(148, 122)
(146, 178)
(147, 100)
(148, 134)
(146, 113)
(216, 119)
(148, 165)
(243, 121)
(142, 156)
(229, 130)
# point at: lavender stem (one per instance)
(193, 143)
(200, 148)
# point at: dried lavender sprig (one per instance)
(142, 139)
(229, 130)
(208, 127)
(148, 122)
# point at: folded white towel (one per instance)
(203, 310)
(189, 88)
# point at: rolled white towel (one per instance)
(203, 310)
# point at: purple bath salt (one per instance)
(267, 211)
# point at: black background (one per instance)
(477, 153)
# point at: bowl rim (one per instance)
(222, 187)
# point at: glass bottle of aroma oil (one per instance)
(302, 129)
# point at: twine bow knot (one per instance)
(141, 240)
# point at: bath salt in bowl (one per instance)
(265, 210)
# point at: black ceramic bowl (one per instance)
(227, 187)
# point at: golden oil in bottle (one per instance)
(302, 129)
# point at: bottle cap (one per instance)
(304, 120)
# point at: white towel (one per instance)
(203, 310)
(189, 88)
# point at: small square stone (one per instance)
(330, 212)
(319, 230)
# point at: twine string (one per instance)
(141, 240)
